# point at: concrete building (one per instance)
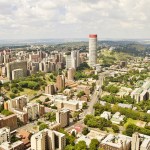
(71, 105)
(71, 73)
(16, 65)
(92, 49)
(60, 82)
(18, 145)
(8, 121)
(75, 59)
(50, 89)
(48, 140)
(140, 142)
(116, 142)
(62, 117)
(4, 135)
(117, 118)
(17, 73)
(106, 115)
(135, 141)
(16, 103)
(33, 111)
(68, 61)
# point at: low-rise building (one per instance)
(117, 118)
(116, 142)
(106, 115)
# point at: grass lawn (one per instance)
(26, 91)
(130, 121)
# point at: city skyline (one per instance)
(30, 19)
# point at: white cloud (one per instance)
(74, 18)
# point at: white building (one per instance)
(33, 110)
(48, 140)
(4, 135)
(106, 115)
(92, 49)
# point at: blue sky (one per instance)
(118, 19)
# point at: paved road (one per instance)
(95, 96)
(94, 99)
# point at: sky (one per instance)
(54, 19)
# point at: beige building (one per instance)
(4, 135)
(62, 117)
(116, 142)
(140, 142)
(18, 145)
(71, 73)
(9, 121)
(33, 111)
(17, 73)
(48, 140)
(71, 105)
(60, 82)
(16, 103)
(50, 89)
(16, 65)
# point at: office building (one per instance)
(62, 117)
(92, 49)
(48, 140)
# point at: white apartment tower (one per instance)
(48, 140)
(4, 135)
(73, 60)
(135, 141)
(62, 117)
(92, 49)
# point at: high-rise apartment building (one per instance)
(16, 65)
(50, 89)
(135, 141)
(73, 59)
(71, 73)
(60, 82)
(62, 117)
(4, 135)
(48, 140)
(92, 49)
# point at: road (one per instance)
(94, 99)
(95, 96)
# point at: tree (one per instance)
(69, 138)
(94, 144)
(84, 106)
(69, 147)
(115, 128)
(51, 116)
(81, 145)
(76, 115)
(85, 131)
(42, 126)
